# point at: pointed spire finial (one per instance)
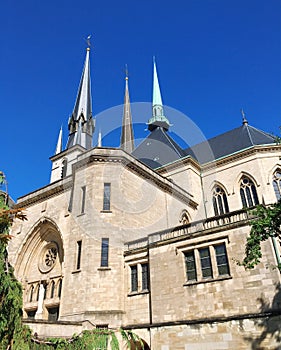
(81, 124)
(88, 41)
(158, 117)
(126, 72)
(127, 134)
(244, 119)
(99, 139)
(59, 143)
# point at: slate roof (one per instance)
(159, 148)
(229, 142)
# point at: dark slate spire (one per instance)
(127, 134)
(81, 124)
(158, 119)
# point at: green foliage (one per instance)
(96, 339)
(12, 333)
(266, 224)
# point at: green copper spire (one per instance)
(158, 119)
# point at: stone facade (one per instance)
(112, 242)
(227, 311)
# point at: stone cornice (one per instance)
(45, 192)
(240, 155)
(115, 156)
(188, 160)
(67, 151)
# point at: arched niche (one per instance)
(41, 255)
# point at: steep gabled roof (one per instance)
(229, 142)
(158, 149)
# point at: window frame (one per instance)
(78, 254)
(220, 202)
(248, 192)
(104, 252)
(106, 196)
(134, 278)
(216, 269)
(276, 183)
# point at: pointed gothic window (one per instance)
(248, 193)
(59, 288)
(220, 201)
(184, 220)
(52, 289)
(31, 293)
(277, 183)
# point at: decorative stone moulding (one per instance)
(48, 257)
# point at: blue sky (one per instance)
(214, 57)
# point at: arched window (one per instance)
(220, 201)
(184, 218)
(248, 193)
(277, 183)
(38, 290)
(52, 289)
(31, 292)
(59, 288)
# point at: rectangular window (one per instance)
(145, 277)
(134, 278)
(104, 252)
(190, 266)
(106, 197)
(83, 198)
(78, 257)
(206, 265)
(222, 261)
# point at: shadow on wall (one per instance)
(270, 323)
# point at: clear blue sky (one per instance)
(213, 56)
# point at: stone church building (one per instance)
(147, 238)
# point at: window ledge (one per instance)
(104, 268)
(207, 280)
(106, 211)
(132, 294)
(76, 271)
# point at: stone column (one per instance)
(39, 312)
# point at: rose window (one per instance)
(49, 256)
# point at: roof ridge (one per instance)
(169, 139)
(262, 131)
(249, 134)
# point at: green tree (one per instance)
(266, 224)
(11, 329)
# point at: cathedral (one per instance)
(147, 237)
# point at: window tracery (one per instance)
(277, 183)
(220, 202)
(248, 193)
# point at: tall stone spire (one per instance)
(81, 123)
(158, 119)
(127, 134)
(59, 143)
